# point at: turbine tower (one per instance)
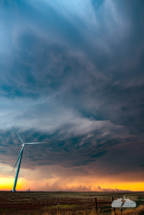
(20, 157)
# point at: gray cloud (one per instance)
(72, 75)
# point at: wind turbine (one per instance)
(20, 157)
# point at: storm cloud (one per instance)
(71, 75)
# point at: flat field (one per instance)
(65, 203)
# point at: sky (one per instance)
(72, 75)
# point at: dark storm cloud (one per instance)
(72, 75)
(66, 153)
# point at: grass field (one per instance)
(66, 203)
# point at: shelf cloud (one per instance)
(72, 76)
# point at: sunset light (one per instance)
(71, 105)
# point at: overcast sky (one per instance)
(72, 75)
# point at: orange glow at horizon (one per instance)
(7, 183)
(23, 184)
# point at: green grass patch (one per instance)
(59, 207)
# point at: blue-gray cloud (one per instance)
(72, 75)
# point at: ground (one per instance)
(37, 203)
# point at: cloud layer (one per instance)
(72, 75)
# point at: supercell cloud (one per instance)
(71, 74)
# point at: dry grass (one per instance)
(134, 211)
(60, 203)
(137, 211)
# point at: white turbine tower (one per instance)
(20, 158)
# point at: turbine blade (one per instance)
(34, 143)
(18, 135)
(18, 158)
